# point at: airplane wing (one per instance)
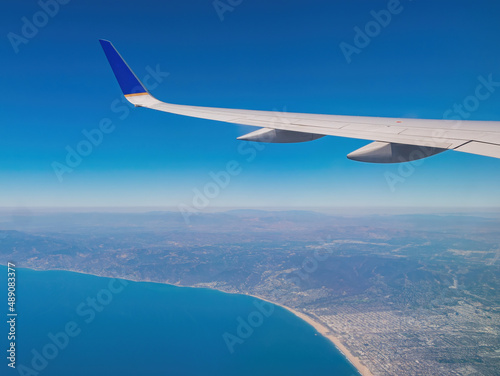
(394, 139)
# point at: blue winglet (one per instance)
(128, 81)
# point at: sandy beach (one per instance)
(326, 332)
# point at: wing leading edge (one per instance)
(395, 139)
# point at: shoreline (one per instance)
(327, 333)
(320, 328)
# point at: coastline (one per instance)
(327, 333)
(320, 328)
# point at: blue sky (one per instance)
(266, 55)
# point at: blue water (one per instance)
(155, 329)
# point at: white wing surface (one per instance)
(395, 139)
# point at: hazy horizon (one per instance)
(354, 210)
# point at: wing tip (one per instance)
(128, 81)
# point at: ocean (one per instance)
(76, 324)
